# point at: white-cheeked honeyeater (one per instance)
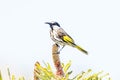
(60, 37)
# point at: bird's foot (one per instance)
(58, 52)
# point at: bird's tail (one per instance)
(81, 49)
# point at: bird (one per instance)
(60, 37)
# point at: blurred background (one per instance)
(24, 38)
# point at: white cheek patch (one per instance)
(56, 28)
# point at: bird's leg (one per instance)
(61, 49)
(57, 45)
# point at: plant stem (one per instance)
(56, 60)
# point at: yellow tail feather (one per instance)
(81, 49)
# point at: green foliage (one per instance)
(46, 73)
(0, 76)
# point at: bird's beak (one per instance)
(47, 23)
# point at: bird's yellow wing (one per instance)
(68, 39)
(64, 36)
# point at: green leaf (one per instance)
(0, 76)
(13, 77)
(49, 67)
(67, 66)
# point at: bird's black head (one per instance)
(56, 24)
(53, 24)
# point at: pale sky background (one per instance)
(93, 24)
